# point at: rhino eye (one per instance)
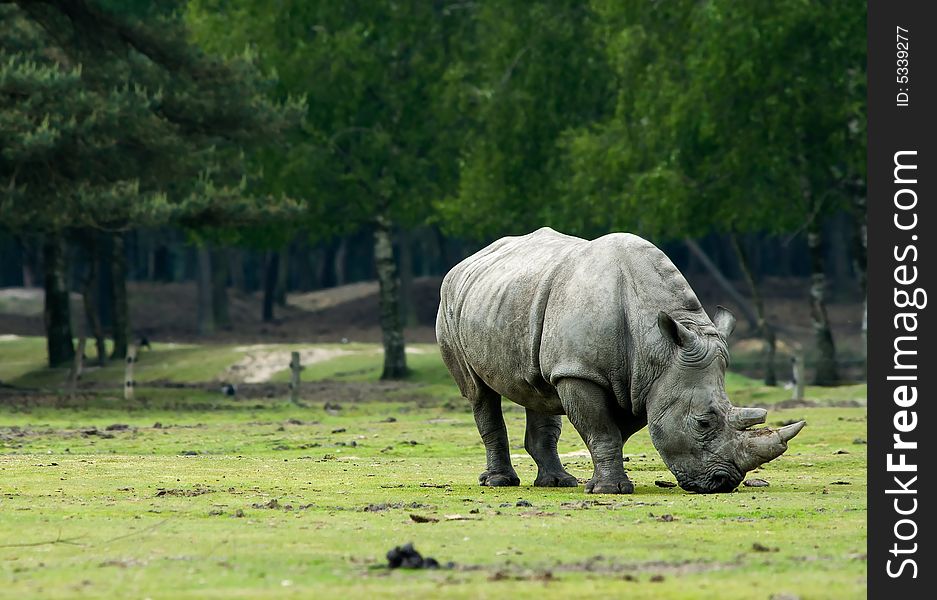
(704, 423)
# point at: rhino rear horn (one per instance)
(743, 418)
(672, 330)
(724, 321)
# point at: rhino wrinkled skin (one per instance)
(609, 333)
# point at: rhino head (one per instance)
(708, 444)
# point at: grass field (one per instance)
(188, 494)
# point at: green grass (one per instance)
(87, 515)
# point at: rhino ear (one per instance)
(674, 331)
(724, 321)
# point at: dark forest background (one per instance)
(199, 170)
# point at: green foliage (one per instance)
(372, 73)
(111, 118)
(670, 119)
(531, 71)
(730, 117)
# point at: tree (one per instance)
(733, 118)
(529, 73)
(111, 118)
(372, 152)
(670, 119)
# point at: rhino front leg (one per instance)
(543, 431)
(590, 410)
(487, 409)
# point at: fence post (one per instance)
(129, 382)
(75, 373)
(295, 368)
(799, 376)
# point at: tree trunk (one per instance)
(407, 307)
(305, 267)
(341, 262)
(89, 289)
(219, 288)
(445, 256)
(57, 312)
(283, 276)
(825, 373)
(271, 269)
(28, 262)
(395, 357)
(839, 267)
(150, 257)
(320, 256)
(205, 320)
(724, 283)
(764, 328)
(234, 258)
(120, 309)
(860, 260)
(860, 242)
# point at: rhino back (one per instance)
(601, 320)
(491, 309)
(527, 311)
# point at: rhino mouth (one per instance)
(719, 482)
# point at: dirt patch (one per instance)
(261, 363)
(272, 504)
(335, 393)
(599, 564)
(322, 299)
(183, 493)
(390, 505)
(603, 566)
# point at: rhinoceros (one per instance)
(609, 333)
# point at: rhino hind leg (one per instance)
(486, 405)
(590, 410)
(543, 431)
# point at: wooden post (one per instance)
(798, 376)
(129, 383)
(295, 368)
(75, 373)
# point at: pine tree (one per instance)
(111, 118)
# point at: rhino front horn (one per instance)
(767, 444)
(788, 432)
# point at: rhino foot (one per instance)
(623, 486)
(498, 479)
(563, 479)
